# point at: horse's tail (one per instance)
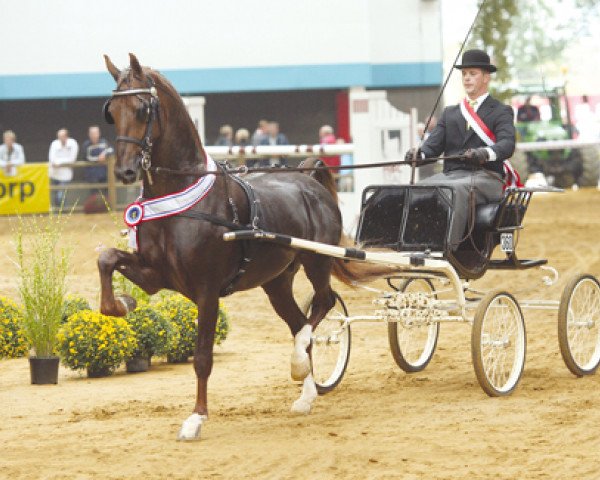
(348, 272)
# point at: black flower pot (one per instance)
(44, 370)
(137, 364)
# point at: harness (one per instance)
(246, 246)
(182, 203)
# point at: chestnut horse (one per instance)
(154, 132)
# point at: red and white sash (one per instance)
(476, 123)
(512, 179)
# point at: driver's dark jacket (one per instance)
(451, 136)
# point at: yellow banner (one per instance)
(24, 189)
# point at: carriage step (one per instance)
(513, 263)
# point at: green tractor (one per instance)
(562, 168)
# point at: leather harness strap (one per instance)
(246, 246)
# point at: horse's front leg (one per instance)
(132, 267)
(208, 311)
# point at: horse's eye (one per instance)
(143, 111)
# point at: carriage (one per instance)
(407, 228)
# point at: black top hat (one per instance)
(476, 59)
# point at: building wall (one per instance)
(232, 45)
(282, 60)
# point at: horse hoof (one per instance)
(128, 302)
(300, 367)
(190, 430)
(301, 406)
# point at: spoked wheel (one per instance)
(412, 342)
(330, 349)
(498, 343)
(579, 325)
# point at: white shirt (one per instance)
(479, 101)
(60, 154)
(8, 160)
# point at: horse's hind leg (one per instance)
(280, 294)
(279, 291)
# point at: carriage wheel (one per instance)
(412, 345)
(498, 343)
(579, 325)
(330, 346)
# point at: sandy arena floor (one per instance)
(379, 423)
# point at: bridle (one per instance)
(150, 112)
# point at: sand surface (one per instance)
(379, 423)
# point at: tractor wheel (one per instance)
(590, 157)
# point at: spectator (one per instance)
(242, 137)
(275, 137)
(11, 153)
(260, 132)
(326, 137)
(63, 150)
(528, 112)
(96, 149)
(225, 136)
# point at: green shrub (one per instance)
(152, 330)
(13, 342)
(96, 342)
(183, 315)
(73, 304)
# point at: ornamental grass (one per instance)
(43, 266)
(13, 342)
(95, 342)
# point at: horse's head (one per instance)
(134, 110)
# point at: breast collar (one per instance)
(168, 205)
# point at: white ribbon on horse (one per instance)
(512, 179)
(168, 205)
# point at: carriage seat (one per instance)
(503, 215)
(485, 216)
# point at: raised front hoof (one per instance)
(301, 407)
(300, 367)
(190, 430)
(127, 301)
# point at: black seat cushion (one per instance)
(485, 216)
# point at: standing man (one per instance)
(482, 129)
(62, 150)
(274, 137)
(11, 153)
(96, 149)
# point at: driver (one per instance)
(482, 129)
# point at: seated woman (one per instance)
(482, 129)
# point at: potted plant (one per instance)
(153, 333)
(96, 343)
(13, 343)
(73, 304)
(183, 315)
(43, 266)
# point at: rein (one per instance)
(244, 169)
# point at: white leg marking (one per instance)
(300, 359)
(190, 430)
(309, 394)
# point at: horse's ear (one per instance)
(135, 64)
(114, 71)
